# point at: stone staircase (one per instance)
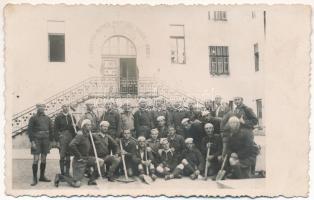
(95, 90)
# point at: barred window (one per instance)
(218, 60)
(177, 43)
(256, 57)
(220, 15)
(56, 48)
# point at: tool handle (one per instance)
(95, 152)
(224, 162)
(207, 161)
(123, 162)
(147, 171)
(73, 124)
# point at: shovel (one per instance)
(146, 177)
(222, 172)
(95, 152)
(126, 178)
(207, 162)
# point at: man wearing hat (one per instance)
(168, 160)
(143, 121)
(40, 132)
(105, 146)
(144, 159)
(239, 146)
(214, 142)
(193, 130)
(160, 110)
(162, 127)
(113, 117)
(64, 133)
(81, 147)
(90, 114)
(178, 114)
(192, 163)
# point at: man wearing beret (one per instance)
(144, 159)
(239, 146)
(113, 117)
(193, 130)
(64, 133)
(160, 110)
(214, 142)
(40, 132)
(178, 114)
(105, 145)
(192, 163)
(168, 160)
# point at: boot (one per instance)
(141, 176)
(152, 172)
(61, 163)
(57, 180)
(35, 169)
(177, 173)
(42, 173)
(67, 168)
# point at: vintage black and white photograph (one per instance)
(150, 100)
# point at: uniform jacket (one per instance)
(62, 123)
(140, 155)
(215, 145)
(92, 117)
(177, 143)
(80, 145)
(195, 158)
(168, 158)
(127, 121)
(130, 147)
(163, 132)
(40, 126)
(113, 117)
(105, 144)
(143, 118)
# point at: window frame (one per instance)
(176, 38)
(219, 63)
(49, 48)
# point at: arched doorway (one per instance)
(119, 65)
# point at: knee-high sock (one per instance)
(42, 169)
(35, 169)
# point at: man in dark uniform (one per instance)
(162, 127)
(105, 146)
(143, 121)
(129, 150)
(113, 117)
(245, 114)
(192, 163)
(40, 132)
(168, 160)
(239, 146)
(160, 110)
(81, 148)
(214, 142)
(64, 133)
(176, 141)
(90, 114)
(193, 130)
(144, 159)
(178, 114)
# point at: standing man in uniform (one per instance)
(40, 132)
(127, 118)
(113, 117)
(245, 114)
(64, 133)
(90, 114)
(143, 121)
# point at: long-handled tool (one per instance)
(126, 180)
(222, 172)
(146, 177)
(95, 152)
(207, 162)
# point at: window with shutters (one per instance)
(218, 60)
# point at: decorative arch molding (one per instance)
(123, 28)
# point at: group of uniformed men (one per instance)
(167, 141)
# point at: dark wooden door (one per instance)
(128, 76)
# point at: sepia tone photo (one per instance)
(153, 100)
